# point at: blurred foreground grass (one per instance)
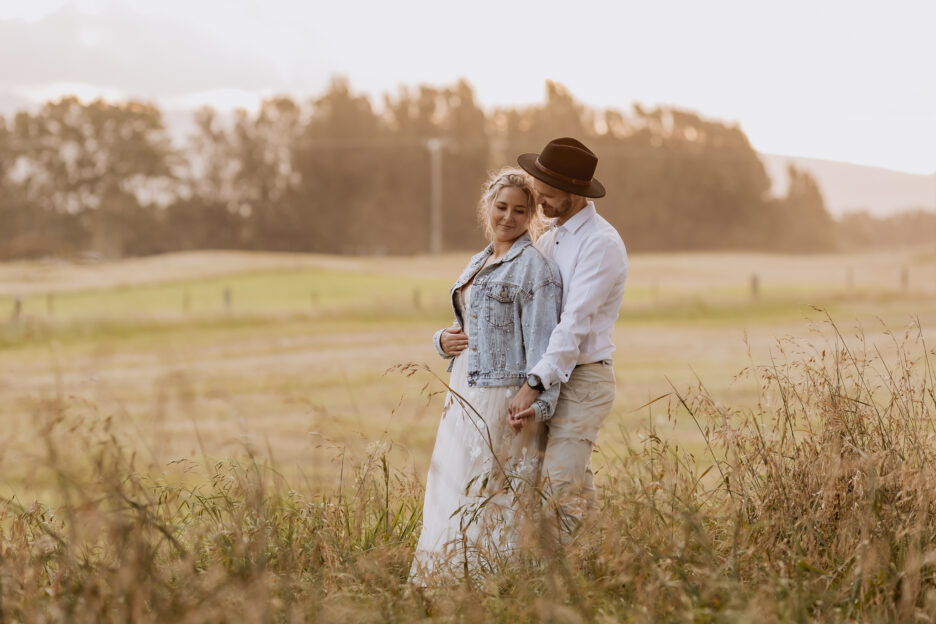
(167, 457)
(813, 502)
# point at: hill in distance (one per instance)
(851, 188)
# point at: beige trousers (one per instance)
(584, 403)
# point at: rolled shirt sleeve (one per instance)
(600, 271)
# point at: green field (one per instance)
(295, 364)
(222, 436)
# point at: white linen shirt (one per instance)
(592, 260)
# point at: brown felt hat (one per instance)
(565, 164)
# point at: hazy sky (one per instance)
(852, 81)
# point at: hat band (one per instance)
(557, 175)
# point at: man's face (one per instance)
(555, 203)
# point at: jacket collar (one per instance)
(516, 249)
(478, 261)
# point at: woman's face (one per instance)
(509, 214)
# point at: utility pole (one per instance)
(435, 195)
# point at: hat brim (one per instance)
(528, 163)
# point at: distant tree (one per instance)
(243, 180)
(7, 156)
(334, 175)
(403, 183)
(213, 165)
(861, 231)
(466, 158)
(528, 129)
(801, 222)
(266, 181)
(92, 161)
(201, 222)
(338, 157)
(674, 180)
(688, 183)
(561, 115)
(210, 213)
(27, 229)
(452, 116)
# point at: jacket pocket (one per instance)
(500, 305)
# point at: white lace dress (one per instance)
(477, 476)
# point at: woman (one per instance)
(506, 303)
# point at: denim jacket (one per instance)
(514, 306)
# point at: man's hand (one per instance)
(453, 340)
(520, 409)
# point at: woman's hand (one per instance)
(453, 340)
(518, 419)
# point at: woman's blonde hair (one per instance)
(509, 177)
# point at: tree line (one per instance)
(335, 174)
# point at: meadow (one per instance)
(220, 436)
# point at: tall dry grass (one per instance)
(818, 504)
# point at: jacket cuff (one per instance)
(540, 410)
(437, 341)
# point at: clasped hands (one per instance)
(454, 341)
(521, 407)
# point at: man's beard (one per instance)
(557, 212)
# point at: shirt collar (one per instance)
(574, 224)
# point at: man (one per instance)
(592, 260)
